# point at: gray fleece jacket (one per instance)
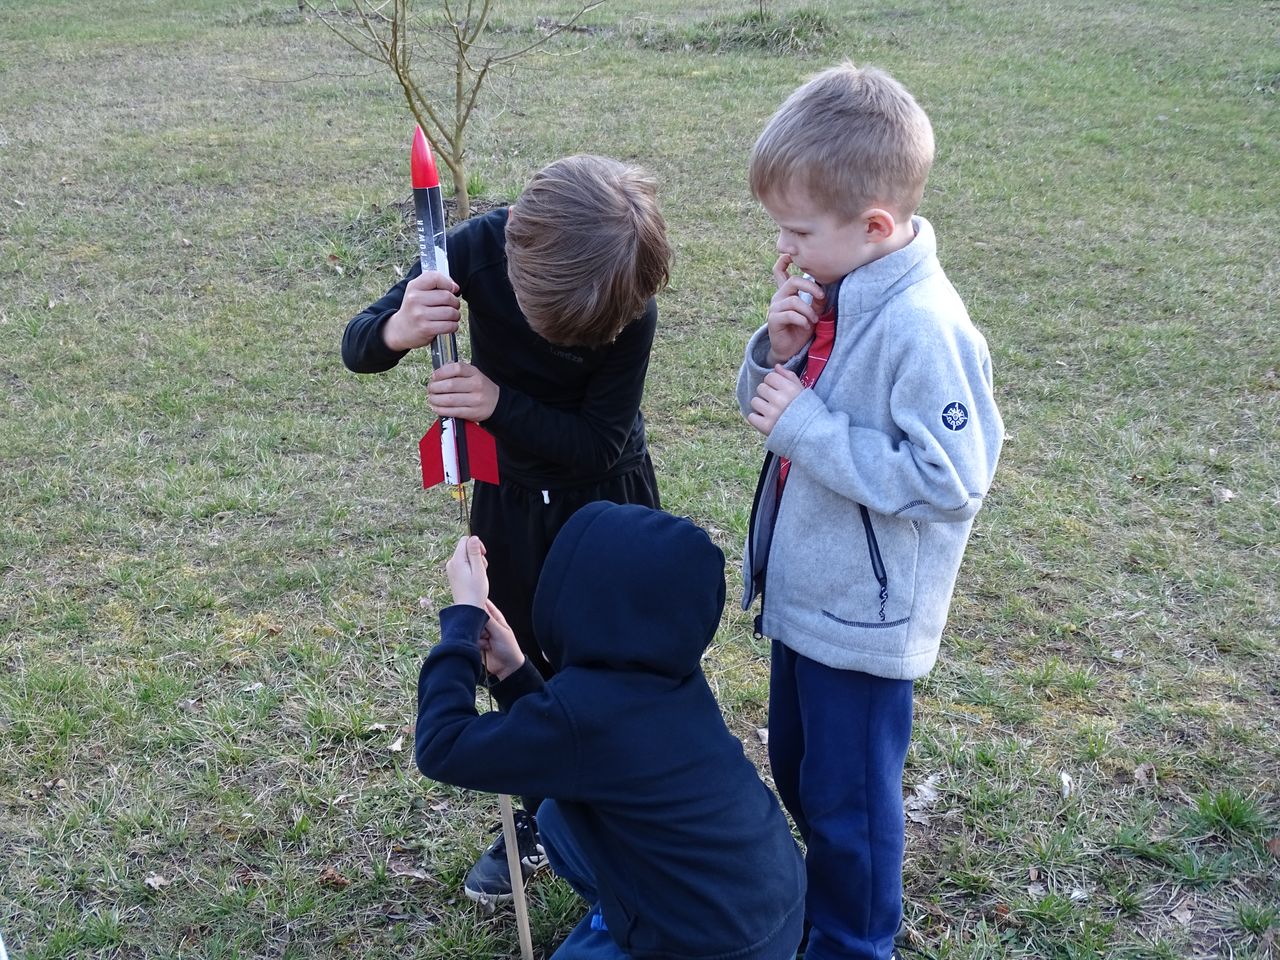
(892, 452)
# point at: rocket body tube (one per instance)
(451, 448)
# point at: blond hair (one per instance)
(586, 249)
(849, 138)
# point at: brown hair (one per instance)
(586, 249)
(849, 138)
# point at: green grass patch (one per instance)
(218, 575)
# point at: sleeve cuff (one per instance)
(461, 621)
(524, 680)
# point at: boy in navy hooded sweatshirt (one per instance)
(656, 817)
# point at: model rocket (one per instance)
(453, 451)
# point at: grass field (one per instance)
(218, 575)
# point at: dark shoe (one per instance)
(489, 881)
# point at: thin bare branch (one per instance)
(387, 32)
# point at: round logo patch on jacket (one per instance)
(955, 415)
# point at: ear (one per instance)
(880, 224)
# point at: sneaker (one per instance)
(489, 881)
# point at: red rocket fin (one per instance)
(432, 458)
(482, 453)
(478, 453)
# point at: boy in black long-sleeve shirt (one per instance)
(560, 292)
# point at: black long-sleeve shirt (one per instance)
(565, 415)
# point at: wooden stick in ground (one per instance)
(517, 876)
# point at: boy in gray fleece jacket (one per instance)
(874, 391)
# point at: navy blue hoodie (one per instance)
(691, 853)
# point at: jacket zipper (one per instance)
(877, 562)
(757, 622)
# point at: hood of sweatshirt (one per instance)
(629, 588)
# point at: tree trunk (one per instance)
(461, 198)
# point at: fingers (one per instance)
(453, 376)
(781, 269)
(780, 376)
(496, 615)
(460, 551)
(470, 553)
(761, 422)
(432, 280)
(460, 390)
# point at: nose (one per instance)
(784, 244)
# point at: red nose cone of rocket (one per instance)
(422, 165)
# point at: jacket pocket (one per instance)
(882, 590)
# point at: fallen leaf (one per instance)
(1182, 913)
(1145, 773)
(245, 876)
(330, 877)
(185, 242)
(923, 796)
(1037, 889)
(155, 881)
(926, 792)
(1033, 874)
(402, 868)
(1273, 847)
(397, 745)
(377, 728)
(1078, 894)
(1068, 785)
(762, 734)
(188, 705)
(252, 688)
(1223, 494)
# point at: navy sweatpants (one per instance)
(837, 746)
(590, 939)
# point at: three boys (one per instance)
(874, 391)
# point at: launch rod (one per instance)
(517, 877)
